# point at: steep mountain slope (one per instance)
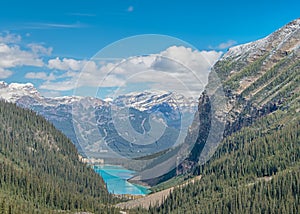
(262, 76)
(256, 167)
(40, 168)
(249, 82)
(259, 78)
(256, 170)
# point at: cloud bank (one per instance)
(12, 55)
(176, 68)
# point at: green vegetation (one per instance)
(175, 181)
(40, 169)
(275, 79)
(256, 170)
(248, 71)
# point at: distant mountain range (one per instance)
(71, 114)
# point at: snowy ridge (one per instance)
(14, 91)
(18, 92)
(147, 99)
(272, 41)
(27, 95)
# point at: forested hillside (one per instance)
(256, 170)
(256, 167)
(40, 169)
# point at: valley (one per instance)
(234, 150)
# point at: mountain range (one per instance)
(90, 122)
(243, 139)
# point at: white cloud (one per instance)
(40, 25)
(227, 44)
(66, 64)
(4, 73)
(59, 86)
(72, 77)
(9, 38)
(197, 61)
(39, 49)
(176, 68)
(12, 56)
(40, 75)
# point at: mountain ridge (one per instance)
(254, 86)
(255, 169)
(139, 100)
(87, 120)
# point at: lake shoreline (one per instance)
(117, 181)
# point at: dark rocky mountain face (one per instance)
(256, 79)
(255, 168)
(261, 77)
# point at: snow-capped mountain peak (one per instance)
(3, 84)
(273, 41)
(147, 99)
(14, 91)
(27, 94)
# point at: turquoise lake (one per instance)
(116, 177)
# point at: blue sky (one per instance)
(77, 30)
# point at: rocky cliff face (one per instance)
(249, 82)
(258, 78)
